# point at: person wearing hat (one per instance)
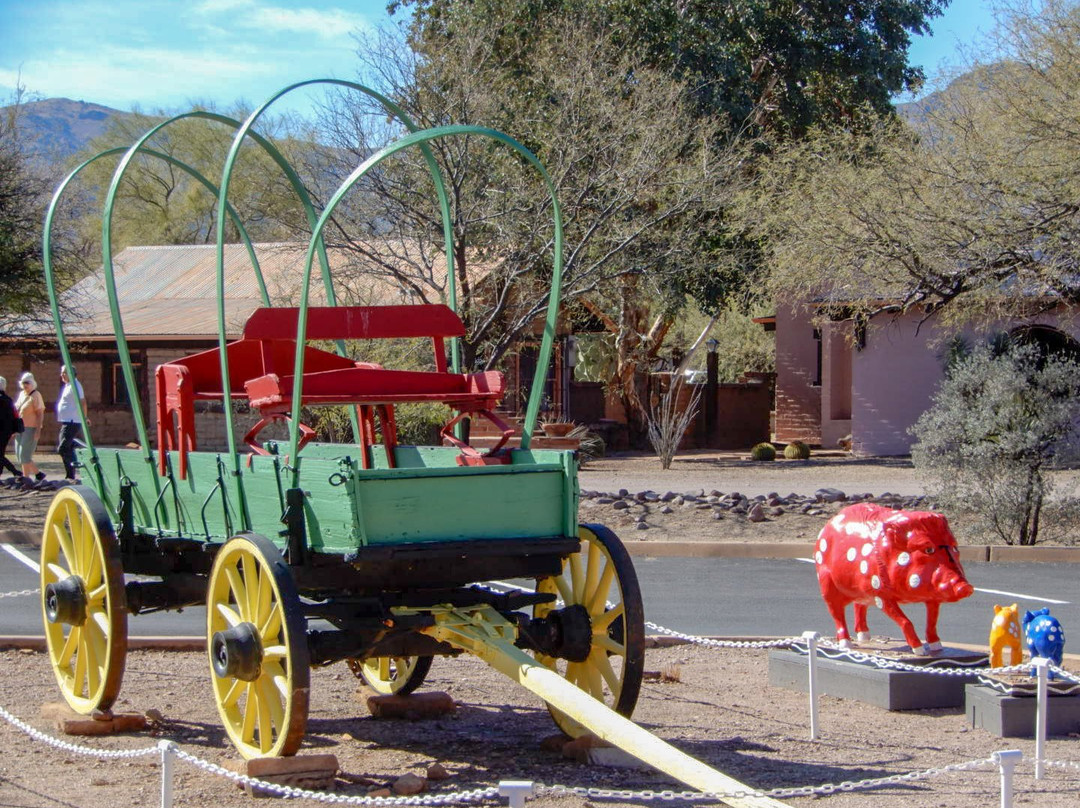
(7, 427)
(67, 414)
(31, 408)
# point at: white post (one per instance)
(812, 638)
(1006, 762)
(167, 759)
(1042, 668)
(516, 791)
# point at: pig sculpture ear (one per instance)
(1028, 617)
(997, 608)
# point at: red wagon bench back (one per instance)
(262, 364)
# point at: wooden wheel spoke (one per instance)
(598, 600)
(602, 622)
(233, 694)
(577, 580)
(71, 644)
(265, 600)
(63, 538)
(79, 678)
(228, 613)
(275, 652)
(263, 717)
(594, 682)
(566, 594)
(94, 570)
(92, 648)
(274, 700)
(57, 571)
(603, 665)
(247, 729)
(609, 645)
(97, 596)
(100, 621)
(239, 591)
(593, 565)
(270, 629)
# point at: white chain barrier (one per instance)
(515, 791)
(22, 593)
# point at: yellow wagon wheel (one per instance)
(599, 580)
(82, 595)
(258, 648)
(392, 675)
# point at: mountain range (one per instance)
(57, 128)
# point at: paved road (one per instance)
(707, 596)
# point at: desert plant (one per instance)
(669, 418)
(797, 450)
(763, 451)
(590, 445)
(1000, 421)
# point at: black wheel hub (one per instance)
(237, 653)
(563, 634)
(65, 601)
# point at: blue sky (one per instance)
(168, 53)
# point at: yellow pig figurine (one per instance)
(1005, 633)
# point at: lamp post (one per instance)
(711, 376)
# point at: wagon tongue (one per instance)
(484, 632)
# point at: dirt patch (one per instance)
(719, 710)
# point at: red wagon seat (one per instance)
(262, 363)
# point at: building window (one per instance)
(118, 392)
(817, 369)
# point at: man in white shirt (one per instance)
(67, 413)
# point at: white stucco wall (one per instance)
(893, 378)
(896, 374)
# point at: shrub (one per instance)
(1001, 419)
(797, 450)
(763, 451)
(669, 419)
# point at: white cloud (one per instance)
(328, 24)
(120, 75)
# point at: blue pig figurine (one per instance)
(1044, 636)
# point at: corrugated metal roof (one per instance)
(171, 291)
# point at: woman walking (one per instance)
(31, 408)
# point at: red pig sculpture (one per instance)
(868, 554)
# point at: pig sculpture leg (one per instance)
(933, 641)
(893, 610)
(862, 628)
(837, 606)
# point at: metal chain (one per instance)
(1063, 764)
(454, 798)
(20, 594)
(783, 793)
(705, 641)
(71, 747)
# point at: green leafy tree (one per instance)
(999, 423)
(774, 65)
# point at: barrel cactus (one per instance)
(796, 450)
(763, 451)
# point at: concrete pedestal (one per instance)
(1014, 716)
(886, 688)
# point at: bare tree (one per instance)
(972, 209)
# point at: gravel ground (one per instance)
(719, 707)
